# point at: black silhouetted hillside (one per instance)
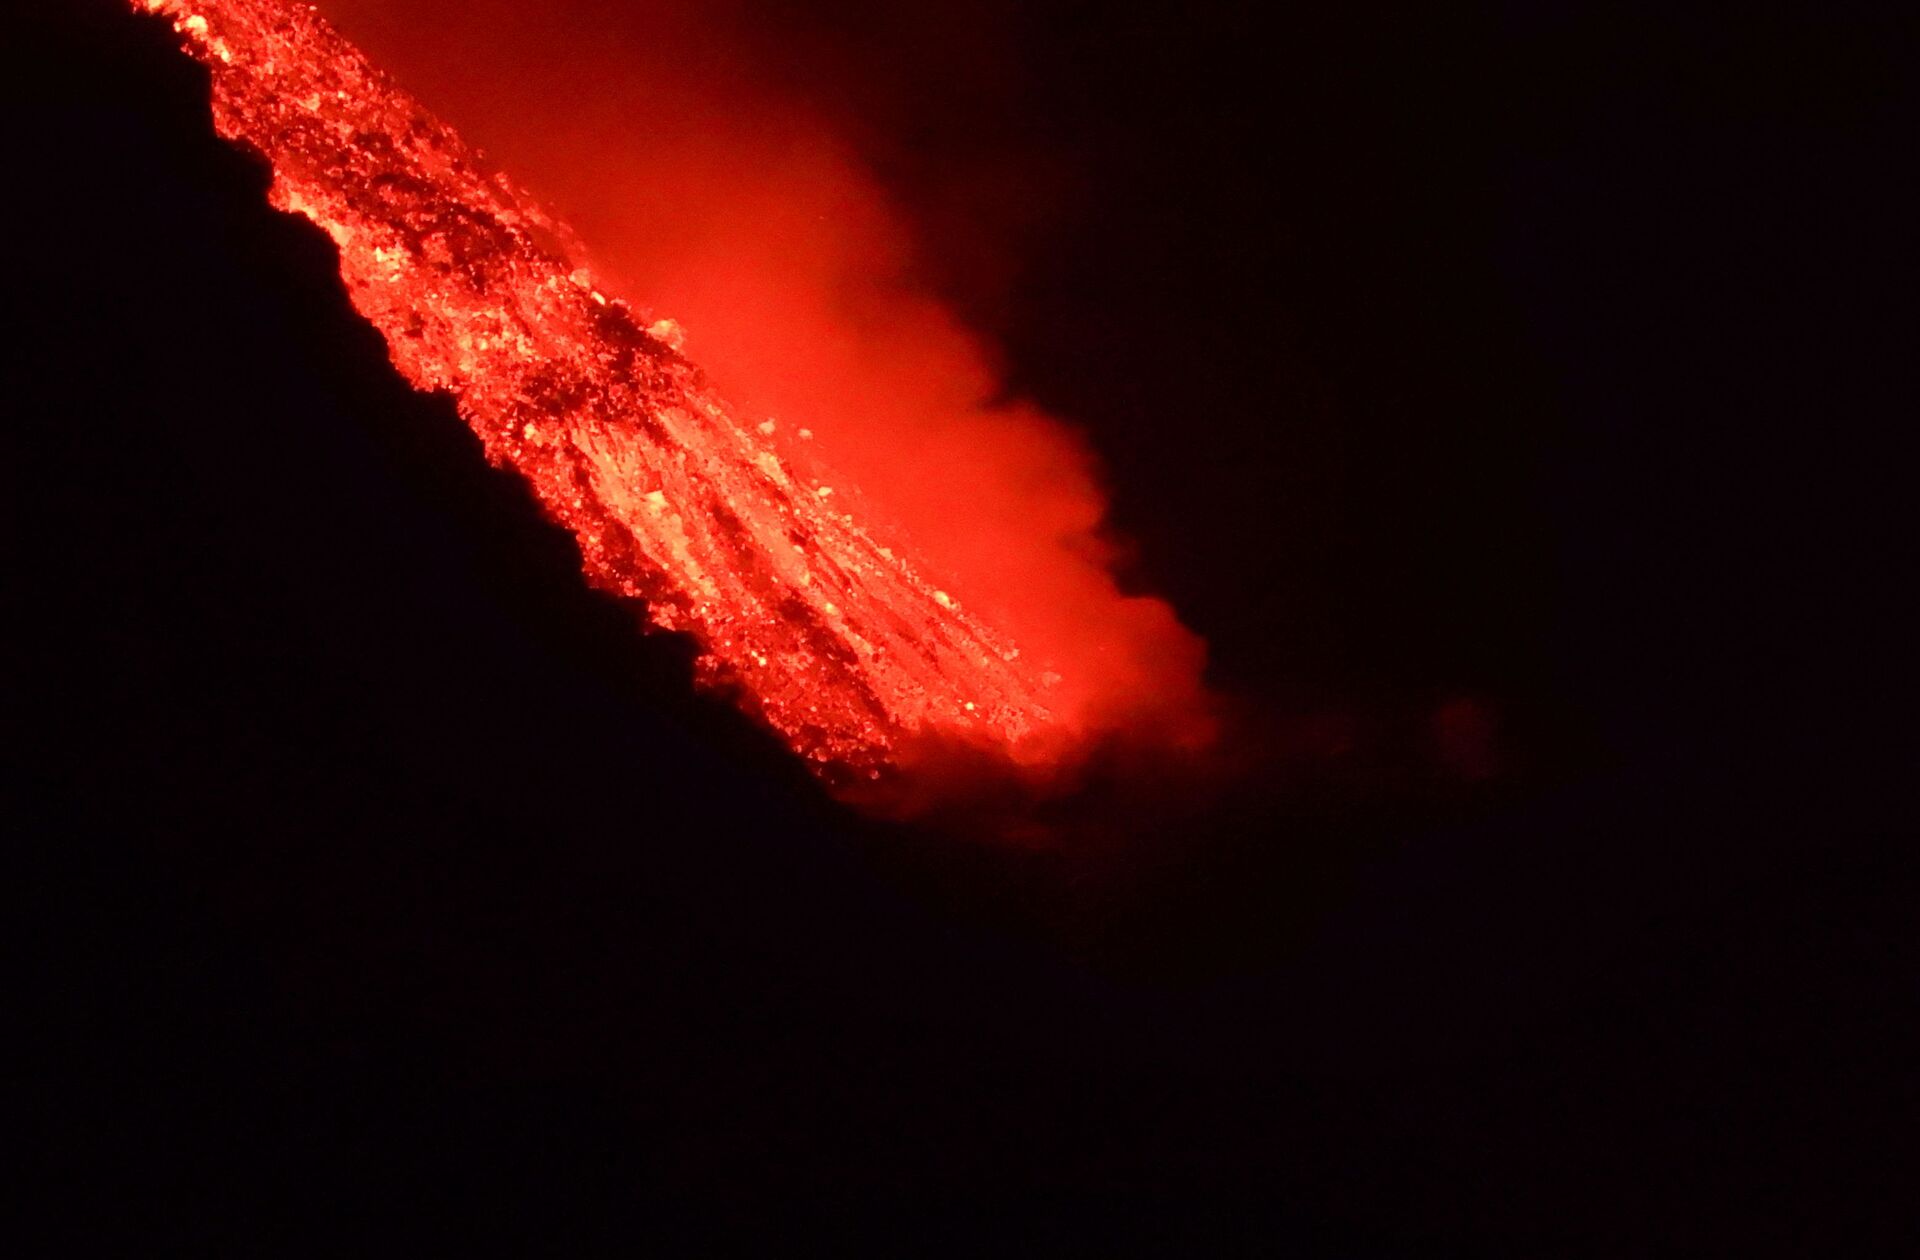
(399, 854)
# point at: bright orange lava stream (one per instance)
(720, 524)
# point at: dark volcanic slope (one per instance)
(400, 854)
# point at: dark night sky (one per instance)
(1535, 361)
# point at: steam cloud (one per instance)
(709, 190)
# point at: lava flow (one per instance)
(723, 524)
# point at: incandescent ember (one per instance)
(720, 523)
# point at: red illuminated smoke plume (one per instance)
(725, 522)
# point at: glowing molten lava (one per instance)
(721, 523)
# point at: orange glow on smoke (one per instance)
(706, 196)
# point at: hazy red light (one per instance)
(717, 203)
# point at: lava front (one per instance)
(719, 522)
